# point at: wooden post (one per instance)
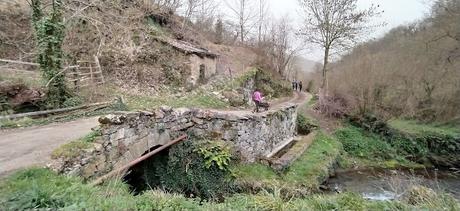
(48, 112)
(137, 161)
(99, 69)
(19, 62)
(91, 73)
(75, 78)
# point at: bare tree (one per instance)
(219, 31)
(243, 13)
(278, 47)
(335, 25)
(283, 50)
(199, 8)
(171, 5)
(206, 15)
(206, 9)
(263, 11)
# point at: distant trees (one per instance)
(282, 50)
(262, 16)
(446, 17)
(219, 31)
(243, 13)
(411, 72)
(171, 5)
(334, 25)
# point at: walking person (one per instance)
(293, 85)
(257, 98)
(300, 86)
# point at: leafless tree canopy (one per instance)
(412, 72)
(334, 25)
(243, 12)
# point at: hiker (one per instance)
(294, 85)
(300, 86)
(257, 98)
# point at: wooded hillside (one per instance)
(412, 72)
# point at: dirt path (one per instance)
(20, 148)
(298, 98)
(26, 147)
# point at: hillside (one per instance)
(126, 43)
(146, 53)
(411, 72)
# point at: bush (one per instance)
(357, 143)
(439, 145)
(72, 102)
(269, 86)
(332, 106)
(370, 122)
(305, 125)
(198, 168)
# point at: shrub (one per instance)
(270, 86)
(305, 125)
(198, 168)
(72, 102)
(332, 106)
(357, 143)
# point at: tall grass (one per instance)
(41, 189)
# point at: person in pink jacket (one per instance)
(258, 100)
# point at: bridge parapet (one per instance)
(128, 135)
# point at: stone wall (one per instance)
(195, 62)
(127, 136)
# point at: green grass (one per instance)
(369, 150)
(75, 148)
(41, 189)
(306, 124)
(302, 177)
(312, 101)
(419, 129)
(361, 144)
(255, 173)
(313, 166)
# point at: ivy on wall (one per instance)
(50, 32)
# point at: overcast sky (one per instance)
(396, 12)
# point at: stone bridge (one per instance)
(127, 136)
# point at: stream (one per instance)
(383, 184)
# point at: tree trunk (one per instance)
(326, 61)
(242, 33)
(323, 92)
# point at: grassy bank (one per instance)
(303, 176)
(426, 144)
(75, 148)
(43, 189)
(368, 150)
(429, 144)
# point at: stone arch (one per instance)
(138, 176)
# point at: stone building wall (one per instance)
(127, 136)
(209, 63)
